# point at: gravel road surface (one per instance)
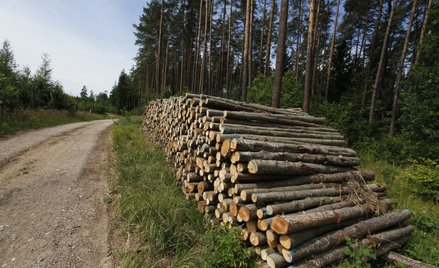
(52, 184)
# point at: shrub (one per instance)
(423, 178)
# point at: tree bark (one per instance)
(263, 198)
(298, 41)
(400, 71)
(159, 41)
(197, 49)
(309, 57)
(203, 60)
(270, 182)
(423, 30)
(246, 49)
(280, 54)
(396, 258)
(331, 51)
(250, 145)
(291, 168)
(261, 45)
(371, 49)
(331, 240)
(270, 30)
(380, 71)
(281, 156)
(229, 45)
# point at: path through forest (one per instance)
(52, 184)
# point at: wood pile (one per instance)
(288, 180)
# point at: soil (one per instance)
(53, 184)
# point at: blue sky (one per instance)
(89, 42)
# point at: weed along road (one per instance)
(52, 184)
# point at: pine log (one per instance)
(299, 205)
(246, 194)
(294, 239)
(265, 252)
(248, 212)
(261, 198)
(283, 131)
(276, 136)
(375, 241)
(292, 223)
(398, 259)
(292, 181)
(264, 224)
(274, 167)
(280, 119)
(295, 157)
(255, 146)
(276, 260)
(358, 230)
(258, 239)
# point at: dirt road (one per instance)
(52, 184)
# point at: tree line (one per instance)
(21, 90)
(361, 55)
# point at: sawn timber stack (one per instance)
(281, 175)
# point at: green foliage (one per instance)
(424, 243)
(423, 177)
(262, 89)
(222, 249)
(150, 206)
(356, 255)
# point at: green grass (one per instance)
(152, 210)
(424, 243)
(34, 119)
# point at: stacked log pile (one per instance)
(287, 179)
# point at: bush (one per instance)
(261, 91)
(423, 178)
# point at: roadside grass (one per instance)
(151, 210)
(424, 243)
(33, 119)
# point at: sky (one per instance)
(89, 42)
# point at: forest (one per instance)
(369, 67)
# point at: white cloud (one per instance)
(88, 48)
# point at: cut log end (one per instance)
(279, 225)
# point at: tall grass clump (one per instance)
(151, 208)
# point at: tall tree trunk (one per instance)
(270, 30)
(245, 59)
(159, 41)
(261, 45)
(371, 49)
(316, 47)
(221, 68)
(280, 55)
(197, 50)
(203, 60)
(298, 41)
(309, 57)
(380, 71)
(165, 70)
(228, 69)
(331, 51)
(400, 71)
(423, 30)
(250, 46)
(210, 90)
(363, 41)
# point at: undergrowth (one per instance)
(151, 208)
(405, 182)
